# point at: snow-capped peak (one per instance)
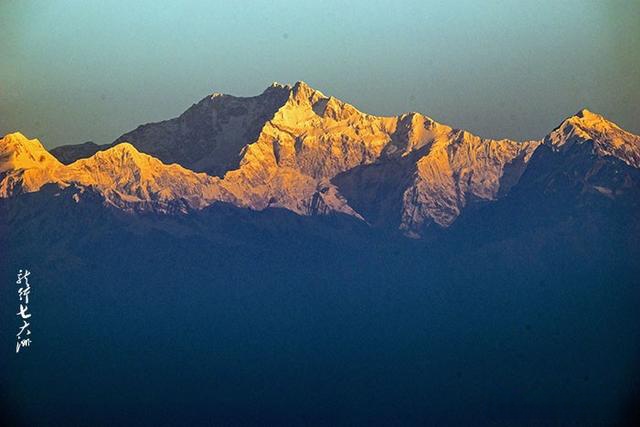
(607, 138)
(19, 152)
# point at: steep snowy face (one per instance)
(606, 138)
(458, 169)
(320, 136)
(136, 181)
(209, 136)
(310, 139)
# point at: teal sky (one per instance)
(73, 71)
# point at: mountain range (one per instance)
(292, 147)
(252, 254)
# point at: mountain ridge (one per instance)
(295, 148)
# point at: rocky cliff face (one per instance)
(293, 147)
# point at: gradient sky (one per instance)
(73, 71)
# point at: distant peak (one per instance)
(19, 152)
(16, 136)
(124, 146)
(300, 92)
(587, 115)
(606, 137)
(17, 139)
(301, 85)
(120, 149)
(303, 92)
(123, 155)
(585, 112)
(588, 119)
(277, 87)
